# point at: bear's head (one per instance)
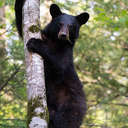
(64, 27)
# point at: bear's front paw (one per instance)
(33, 45)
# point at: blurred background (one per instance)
(100, 56)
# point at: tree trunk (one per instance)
(37, 106)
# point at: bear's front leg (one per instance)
(40, 47)
(37, 46)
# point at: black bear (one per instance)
(65, 97)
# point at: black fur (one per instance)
(65, 97)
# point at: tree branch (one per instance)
(10, 78)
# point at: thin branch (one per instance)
(118, 104)
(10, 78)
(95, 125)
(13, 120)
(11, 126)
(7, 30)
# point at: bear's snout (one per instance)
(63, 33)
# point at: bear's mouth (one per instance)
(64, 38)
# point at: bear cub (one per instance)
(65, 97)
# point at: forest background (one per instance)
(100, 57)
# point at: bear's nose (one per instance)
(63, 35)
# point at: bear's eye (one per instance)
(71, 26)
(60, 24)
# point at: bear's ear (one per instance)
(82, 18)
(55, 11)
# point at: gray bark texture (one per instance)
(37, 106)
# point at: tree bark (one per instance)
(37, 106)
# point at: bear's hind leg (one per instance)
(69, 116)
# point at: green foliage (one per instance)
(100, 56)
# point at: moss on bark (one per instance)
(34, 28)
(32, 105)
